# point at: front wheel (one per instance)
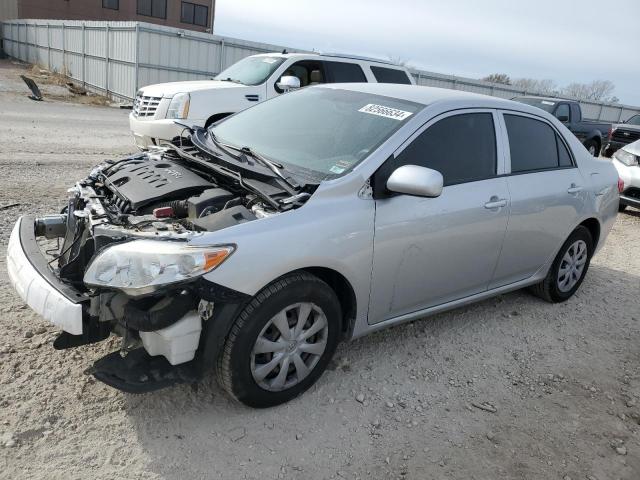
(281, 342)
(568, 269)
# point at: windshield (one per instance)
(546, 105)
(635, 120)
(325, 131)
(251, 70)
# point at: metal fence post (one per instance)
(137, 60)
(84, 72)
(64, 67)
(48, 46)
(106, 62)
(220, 65)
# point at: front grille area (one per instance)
(145, 106)
(626, 136)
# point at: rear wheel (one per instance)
(568, 269)
(593, 147)
(281, 342)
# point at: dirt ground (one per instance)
(559, 385)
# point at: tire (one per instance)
(549, 289)
(622, 208)
(593, 147)
(240, 368)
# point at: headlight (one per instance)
(141, 266)
(179, 106)
(629, 159)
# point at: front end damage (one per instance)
(117, 261)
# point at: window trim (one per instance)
(500, 158)
(117, 7)
(507, 148)
(194, 5)
(151, 15)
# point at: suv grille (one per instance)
(627, 136)
(145, 106)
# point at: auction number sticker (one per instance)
(387, 112)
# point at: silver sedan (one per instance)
(260, 243)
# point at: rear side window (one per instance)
(341, 72)
(390, 75)
(461, 147)
(534, 145)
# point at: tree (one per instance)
(544, 87)
(502, 78)
(596, 91)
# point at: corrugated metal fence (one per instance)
(118, 57)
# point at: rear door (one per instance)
(429, 251)
(547, 193)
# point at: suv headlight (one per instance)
(629, 159)
(141, 266)
(179, 106)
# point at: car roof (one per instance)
(336, 56)
(548, 99)
(432, 95)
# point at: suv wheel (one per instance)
(568, 269)
(281, 342)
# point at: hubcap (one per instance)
(572, 266)
(592, 150)
(289, 346)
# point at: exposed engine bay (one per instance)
(165, 194)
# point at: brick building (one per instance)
(188, 14)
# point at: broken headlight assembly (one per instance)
(140, 267)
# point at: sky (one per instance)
(563, 40)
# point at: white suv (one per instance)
(249, 81)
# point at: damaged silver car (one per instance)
(255, 246)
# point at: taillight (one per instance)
(610, 132)
(620, 185)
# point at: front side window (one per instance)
(635, 120)
(534, 145)
(111, 4)
(152, 8)
(323, 132)
(194, 14)
(251, 70)
(390, 75)
(562, 112)
(461, 147)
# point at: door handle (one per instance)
(495, 202)
(573, 189)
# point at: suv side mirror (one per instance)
(415, 180)
(563, 118)
(288, 82)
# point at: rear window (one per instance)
(341, 72)
(534, 145)
(390, 75)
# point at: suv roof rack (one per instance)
(359, 57)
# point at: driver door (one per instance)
(430, 251)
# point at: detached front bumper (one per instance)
(35, 282)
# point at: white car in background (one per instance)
(248, 82)
(627, 162)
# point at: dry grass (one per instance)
(43, 76)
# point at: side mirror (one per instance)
(415, 180)
(288, 82)
(563, 118)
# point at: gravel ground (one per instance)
(510, 388)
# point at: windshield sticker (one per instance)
(387, 112)
(545, 102)
(336, 169)
(270, 60)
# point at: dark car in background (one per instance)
(593, 135)
(622, 134)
